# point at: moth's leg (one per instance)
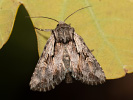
(46, 30)
(92, 50)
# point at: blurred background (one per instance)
(18, 58)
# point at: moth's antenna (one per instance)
(75, 12)
(44, 17)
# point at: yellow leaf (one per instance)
(106, 27)
(8, 9)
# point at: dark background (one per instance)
(18, 58)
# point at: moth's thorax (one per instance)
(63, 32)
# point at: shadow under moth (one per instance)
(65, 56)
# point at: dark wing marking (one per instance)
(50, 69)
(84, 66)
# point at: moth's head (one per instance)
(63, 32)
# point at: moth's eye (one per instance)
(57, 24)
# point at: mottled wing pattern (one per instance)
(50, 70)
(84, 66)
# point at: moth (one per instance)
(65, 56)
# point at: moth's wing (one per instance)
(85, 67)
(49, 70)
